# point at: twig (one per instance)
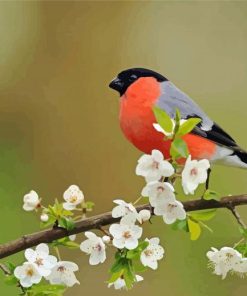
(237, 216)
(5, 269)
(95, 222)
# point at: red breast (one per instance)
(137, 118)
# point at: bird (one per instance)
(141, 90)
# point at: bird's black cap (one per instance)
(127, 77)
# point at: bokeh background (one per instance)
(59, 120)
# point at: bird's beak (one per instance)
(116, 84)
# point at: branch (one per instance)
(96, 222)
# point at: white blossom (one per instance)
(120, 283)
(152, 253)
(224, 260)
(123, 209)
(168, 134)
(31, 201)
(41, 259)
(144, 215)
(44, 217)
(153, 166)
(73, 196)
(125, 235)
(95, 247)
(63, 273)
(171, 211)
(27, 274)
(194, 173)
(159, 193)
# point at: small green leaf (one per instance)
(48, 223)
(243, 231)
(188, 126)
(179, 149)
(203, 215)
(163, 119)
(194, 228)
(181, 225)
(66, 242)
(90, 205)
(242, 248)
(11, 267)
(118, 265)
(210, 194)
(129, 275)
(51, 290)
(66, 223)
(10, 280)
(177, 121)
(115, 276)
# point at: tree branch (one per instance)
(96, 222)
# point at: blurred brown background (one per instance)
(59, 120)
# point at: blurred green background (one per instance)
(59, 120)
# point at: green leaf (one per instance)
(188, 126)
(136, 253)
(203, 215)
(11, 267)
(242, 248)
(89, 205)
(48, 223)
(115, 276)
(177, 121)
(129, 275)
(139, 267)
(181, 225)
(243, 231)
(194, 228)
(51, 290)
(179, 149)
(118, 265)
(66, 242)
(66, 223)
(10, 280)
(142, 245)
(210, 194)
(163, 119)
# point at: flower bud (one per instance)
(72, 237)
(144, 215)
(106, 239)
(44, 217)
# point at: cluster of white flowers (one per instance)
(161, 194)
(41, 264)
(127, 233)
(73, 196)
(227, 260)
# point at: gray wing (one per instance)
(172, 98)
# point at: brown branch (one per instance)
(96, 222)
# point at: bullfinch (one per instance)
(141, 89)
